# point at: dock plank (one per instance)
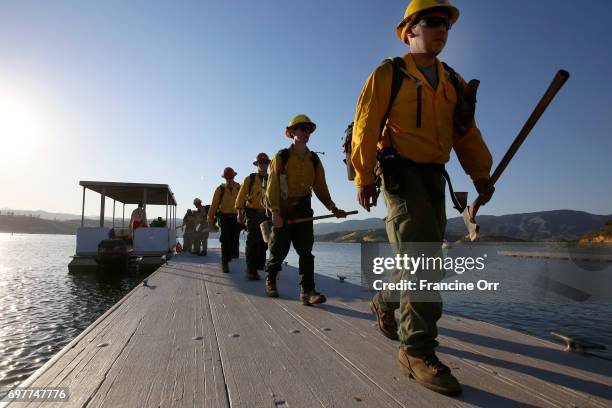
(194, 336)
(372, 353)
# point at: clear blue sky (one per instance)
(172, 92)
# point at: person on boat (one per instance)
(158, 223)
(294, 173)
(188, 228)
(138, 218)
(421, 125)
(223, 211)
(252, 212)
(200, 232)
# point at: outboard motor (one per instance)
(113, 255)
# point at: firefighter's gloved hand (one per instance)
(339, 213)
(485, 190)
(366, 196)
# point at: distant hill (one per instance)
(372, 235)
(31, 224)
(42, 214)
(25, 224)
(538, 226)
(349, 225)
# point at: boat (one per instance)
(117, 248)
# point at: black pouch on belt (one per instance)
(390, 164)
(394, 163)
(297, 207)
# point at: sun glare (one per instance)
(20, 130)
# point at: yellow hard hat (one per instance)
(301, 118)
(416, 6)
(261, 157)
(197, 201)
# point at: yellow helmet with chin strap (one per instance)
(417, 6)
(298, 119)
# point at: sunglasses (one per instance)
(263, 161)
(304, 127)
(435, 22)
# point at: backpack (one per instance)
(251, 182)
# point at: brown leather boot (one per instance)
(225, 267)
(271, 290)
(430, 373)
(386, 319)
(311, 297)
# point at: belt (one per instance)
(294, 201)
(442, 170)
(257, 210)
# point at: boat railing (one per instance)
(88, 239)
(154, 240)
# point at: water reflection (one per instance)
(42, 307)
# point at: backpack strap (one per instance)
(315, 160)
(222, 187)
(458, 120)
(251, 181)
(396, 84)
(284, 154)
(453, 75)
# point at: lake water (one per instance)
(42, 307)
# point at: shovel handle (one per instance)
(560, 78)
(320, 217)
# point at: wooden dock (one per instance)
(195, 337)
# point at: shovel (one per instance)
(266, 226)
(320, 217)
(469, 214)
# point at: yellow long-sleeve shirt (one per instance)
(301, 180)
(227, 206)
(252, 199)
(429, 143)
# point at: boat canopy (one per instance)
(133, 193)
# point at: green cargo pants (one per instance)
(302, 237)
(255, 245)
(229, 237)
(416, 215)
(188, 240)
(200, 242)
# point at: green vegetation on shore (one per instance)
(601, 236)
(28, 224)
